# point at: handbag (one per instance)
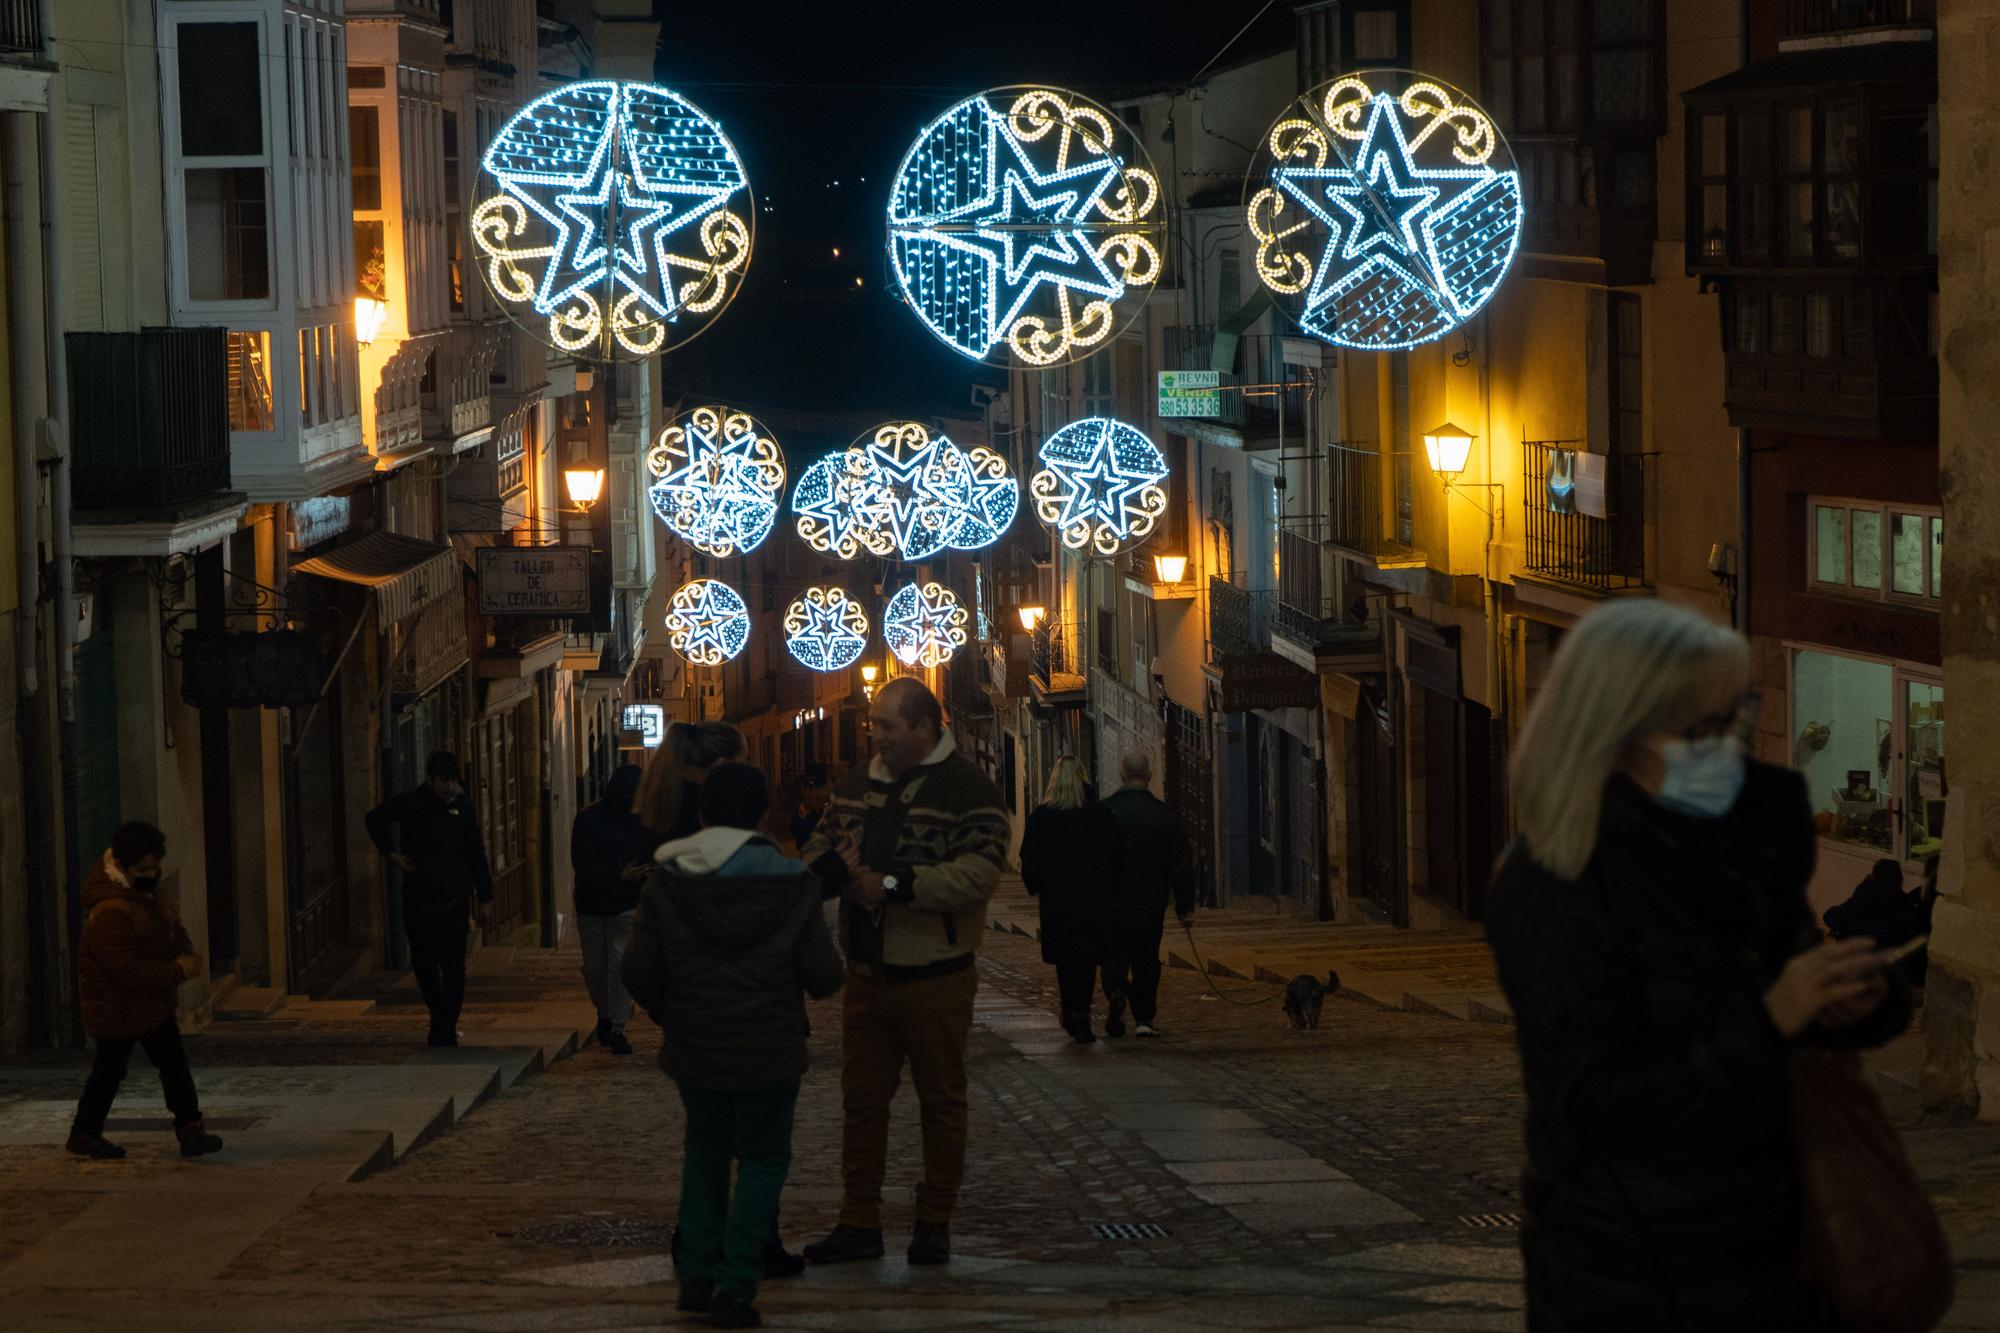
(1871, 1240)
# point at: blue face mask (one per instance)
(1704, 778)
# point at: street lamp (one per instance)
(369, 315)
(1447, 447)
(584, 486)
(1170, 568)
(1032, 616)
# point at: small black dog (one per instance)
(1305, 994)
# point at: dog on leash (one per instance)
(1304, 995)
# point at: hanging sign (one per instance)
(534, 580)
(1190, 393)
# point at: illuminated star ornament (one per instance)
(1025, 226)
(825, 629)
(903, 491)
(924, 625)
(1100, 486)
(718, 479)
(1383, 219)
(615, 218)
(707, 622)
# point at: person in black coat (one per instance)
(611, 851)
(1070, 861)
(1653, 937)
(1154, 855)
(443, 860)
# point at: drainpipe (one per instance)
(1740, 612)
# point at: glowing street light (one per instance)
(1170, 568)
(584, 486)
(1447, 447)
(1032, 616)
(369, 316)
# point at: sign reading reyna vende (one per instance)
(534, 580)
(1190, 393)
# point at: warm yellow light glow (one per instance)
(584, 485)
(836, 252)
(369, 315)
(1170, 567)
(869, 672)
(1447, 447)
(1031, 616)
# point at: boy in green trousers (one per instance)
(728, 941)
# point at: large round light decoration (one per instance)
(825, 629)
(903, 491)
(707, 622)
(924, 625)
(1385, 208)
(615, 219)
(718, 477)
(1025, 226)
(1100, 486)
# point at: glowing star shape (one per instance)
(1100, 485)
(902, 490)
(825, 629)
(719, 477)
(1383, 219)
(617, 215)
(924, 625)
(707, 622)
(1025, 226)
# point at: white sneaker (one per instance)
(1145, 1030)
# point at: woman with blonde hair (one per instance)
(1069, 862)
(1652, 933)
(669, 798)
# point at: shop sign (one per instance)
(647, 721)
(240, 669)
(534, 580)
(1264, 680)
(1339, 696)
(1190, 393)
(319, 519)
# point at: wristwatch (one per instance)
(889, 886)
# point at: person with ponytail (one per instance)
(669, 798)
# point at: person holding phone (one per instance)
(610, 849)
(1653, 936)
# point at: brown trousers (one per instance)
(883, 1024)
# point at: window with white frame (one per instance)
(1886, 552)
(225, 160)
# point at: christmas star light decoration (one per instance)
(707, 622)
(718, 479)
(924, 625)
(900, 490)
(1100, 486)
(1382, 219)
(615, 218)
(825, 629)
(1025, 226)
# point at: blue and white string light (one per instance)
(825, 629)
(1100, 485)
(1025, 226)
(903, 491)
(707, 622)
(1383, 220)
(618, 214)
(718, 479)
(924, 625)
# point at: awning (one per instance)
(405, 574)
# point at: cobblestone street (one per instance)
(1357, 1176)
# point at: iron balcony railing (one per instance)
(1566, 539)
(1813, 18)
(1307, 612)
(150, 416)
(1058, 664)
(1354, 498)
(1239, 617)
(21, 26)
(1258, 360)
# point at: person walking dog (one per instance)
(134, 955)
(914, 843)
(727, 942)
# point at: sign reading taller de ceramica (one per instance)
(534, 580)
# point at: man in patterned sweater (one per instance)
(914, 845)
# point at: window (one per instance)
(1540, 53)
(1869, 739)
(1876, 551)
(1628, 376)
(364, 149)
(221, 93)
(1399, 436)
(1819, 324)
(1375, 36)
(454, 218)
(1099, 398)
(1228, 282)
(228, 235)
(250, 403)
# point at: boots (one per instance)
(1076, 1022)
(94, 1146)
(195, 1139)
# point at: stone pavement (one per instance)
(1244, 1175)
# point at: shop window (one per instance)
(1923, 764)
(1851, 546)
(1843, 712)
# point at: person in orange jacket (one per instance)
(133, 957)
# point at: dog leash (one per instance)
(1202, 965)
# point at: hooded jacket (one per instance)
(728, 941)
(606, 839)
(127, 963)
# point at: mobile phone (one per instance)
(1904, 950)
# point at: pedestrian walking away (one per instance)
(445, 877)
(1154, 868)
(914, 844)
(133, 956)
(1070, 863)
(669, 798)
(728, 940)
(610, 850)
(1652, 933)
(811, 805)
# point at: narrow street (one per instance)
(1357, 1176)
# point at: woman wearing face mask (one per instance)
(1653, 936)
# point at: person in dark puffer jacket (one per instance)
(133, 957)
(611, 851)
(728, 941)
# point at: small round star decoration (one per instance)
(924, 625)
(718, 476)
(825, 629)
(1100, 485)
(707, 622)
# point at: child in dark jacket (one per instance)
(728, 941)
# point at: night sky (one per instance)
(822, 101)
